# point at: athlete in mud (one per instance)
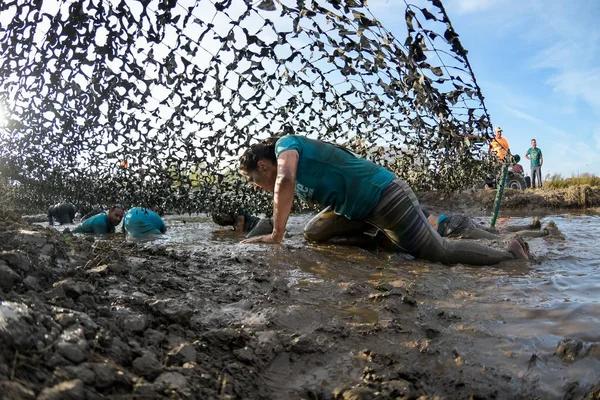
(102, 223)
(357, 190)
(362, 234)
(62, 213)
(463, 227)
(140, 222)
(244, 222)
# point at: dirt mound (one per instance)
(476, 201)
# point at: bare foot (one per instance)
(553, 231)
(535, 223)
(519, 248)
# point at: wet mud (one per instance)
(93, 319)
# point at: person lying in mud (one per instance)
(140, 222)
(463, 227)
(244, 222)
(357, 191)
(62, 213)
(102, 223)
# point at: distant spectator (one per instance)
(63, 213)
(102, 223)
(499, 146)
(534, 154)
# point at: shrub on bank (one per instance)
(556, 181)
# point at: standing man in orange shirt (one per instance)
(499, 146)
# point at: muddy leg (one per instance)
(531, 234)
(327, 224)
(478, 233)
(398, 215)
(534, 224)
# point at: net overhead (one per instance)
(152, 102)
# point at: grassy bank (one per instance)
(475, 201)
(557, 181)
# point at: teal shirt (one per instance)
(331, 176)
(535, 155)
(96, 224)
(140, 222)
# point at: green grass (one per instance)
(556, 181)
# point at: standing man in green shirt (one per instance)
(534, 154)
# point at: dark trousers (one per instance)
(536, 172)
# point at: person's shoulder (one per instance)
(97, 219)
(288, 142)
(288, 139)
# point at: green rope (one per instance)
(499, 196)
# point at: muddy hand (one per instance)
(261, 239)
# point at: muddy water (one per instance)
(508, 319)
(376, 322)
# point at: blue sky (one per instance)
(538, 65)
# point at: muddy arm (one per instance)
(283, 196)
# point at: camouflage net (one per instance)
(151, 102)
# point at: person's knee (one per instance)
(313, 235)
(312, 231)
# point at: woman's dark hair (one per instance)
(223, 218)
(264, 150)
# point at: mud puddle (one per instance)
(195, 314)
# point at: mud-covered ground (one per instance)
(86, 319)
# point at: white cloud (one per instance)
(575, 158)
(472, 6)
(583, 84)
(569, 54)
(542, 125)
(523, 115)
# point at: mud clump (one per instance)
(570, 350)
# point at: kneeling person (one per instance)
(140, 222)
(63, 213)
(102, 223)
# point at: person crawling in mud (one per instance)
(357, 191)
(241, 221)
(102, 223)
(463, 227)
(62, 213)
(140, 222)
(449, 226)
